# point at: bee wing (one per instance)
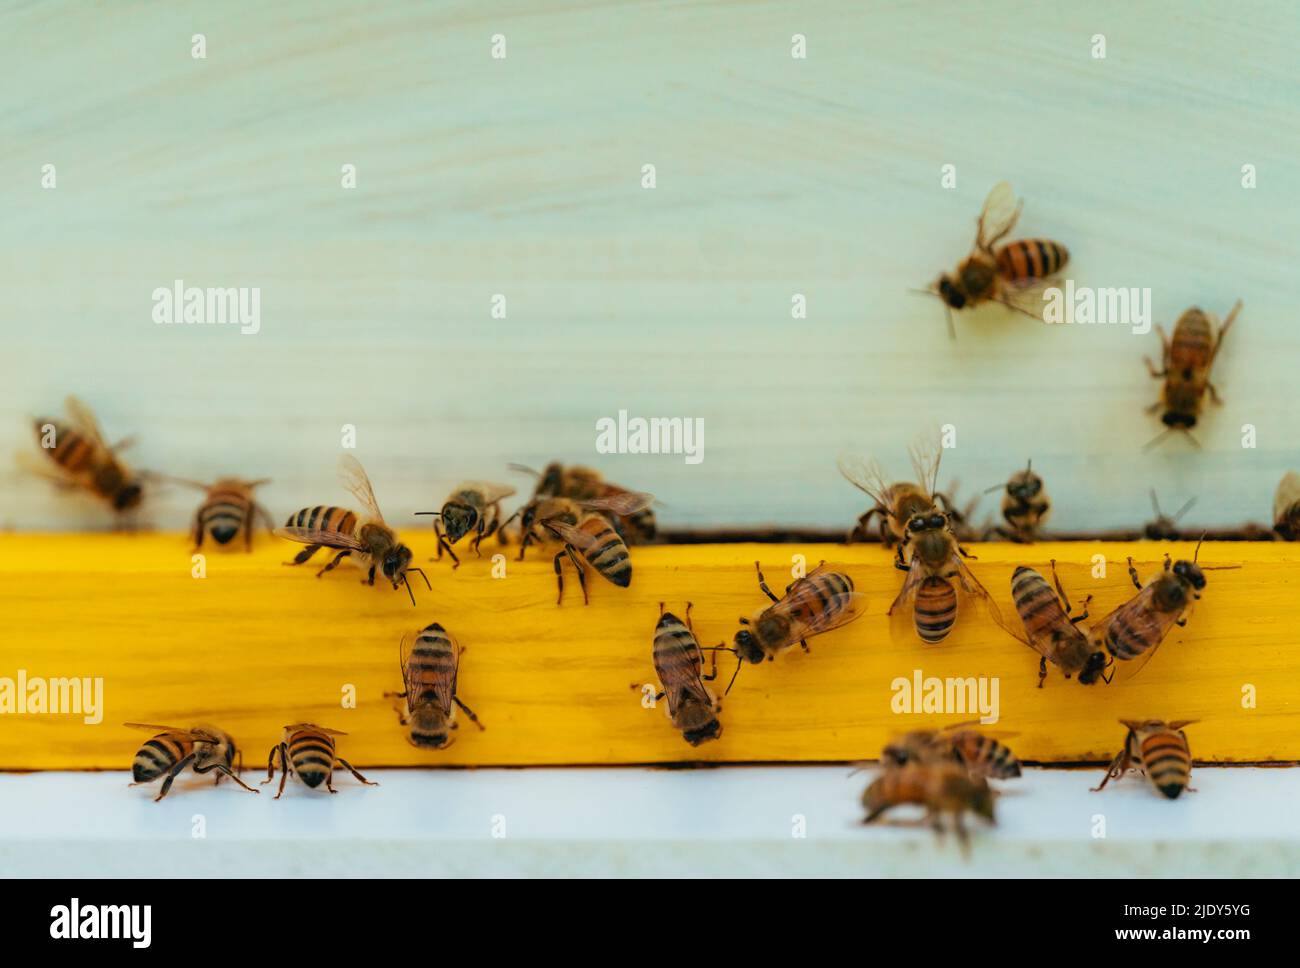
(902, 628)
(358, 485)
(622, 504)
(491, 492)
(1136, 610)
(851, 606)
(330, 732)
(570, 535)
(404, 654)
(999, 215)
(926, 455)
(85, 421)
(1026, 296)
(1288, 493)
(972, 596)
(179, 732)
(328, 539)
(867, 476)
(159, 729)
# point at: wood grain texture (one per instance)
(521, 177)
(255, 645)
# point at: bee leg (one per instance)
(399, 706)
(1214, 395)
(582, 574)
(370, 579)
(351, 769)
(1042, 670)
(270, 765)
(1117, 766)
(226, 772)
(1133, 574)
(1084, 614)
(523, 545)
(284, 770)
(174, 772)
(689, 606)
(303, 555)
(198, 533)
(444, 543)
(1151, 368)
(335, 563)
(762, 583)
(468, 712)
(559, 576)
(966, 554)
(802, 642)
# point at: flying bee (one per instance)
(373, 543)
(1006, 274)
(473, 506)
(1186, 363)
(1135, 630)
(1160, 751)
(679, 663)
(942, 787)
(172, 749)
(587, 535)
(897, 503)
(1025, 506)
(83, 459)
(1165, 526)
(820, 601)
(981, 753)
(228, 510)
(1051, 631)
(584, 484)
(428, 700)
(308, 751)
(1286, 507)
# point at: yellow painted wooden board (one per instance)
(255, 645)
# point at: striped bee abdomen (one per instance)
(321, 518)
(157, 756)
(432, 661)
(822, 594)
(311, 752)
(607, 553)
(1035, 601)
(935, 609)
(985, 755)
(71, 451)
(676, 652)
(1166, 760)
(1132, 632)
(225, 513)
(1031, 259)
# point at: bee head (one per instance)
(1024, 485)
(128, 497)
(747, 647)
(950, 293)
(223, 533)
(933, 521)
(457, 520)
(1178, 419)
(1190, 572)
(395, 564)
(1093, 670)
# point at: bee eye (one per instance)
(937, 521)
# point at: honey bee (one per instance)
(308, 751)
(426, 706)
(981, 753)
(473, 506)
(1165, 527)
(1025, 506)
(84, 459)
(1006, 274)
(373, 543)
(929, 601)
(584, 484)
(819, 602)
(896, 504)
(228, 510)
(679, 663)
(942, 787)
(586, 534)
(1051, 631)
(1160, 751)
(202, 749)
(1286, 507)
(1135, 630)
(1186, 363)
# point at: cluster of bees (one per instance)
(592, 522)
(947, 772)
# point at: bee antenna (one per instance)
(1159, 438)
(1155, 503)
(524, 469)
(420, 572)
(434, 513)
(739, 663)
(1197, 553)
(995, 487)
(406, 581)
(1185, 508)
